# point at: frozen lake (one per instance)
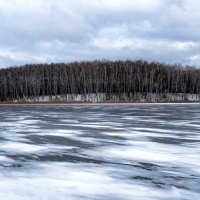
(114, 152)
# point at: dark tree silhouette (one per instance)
(112, 78)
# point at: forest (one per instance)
(121, 78)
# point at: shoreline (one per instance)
(97, 103)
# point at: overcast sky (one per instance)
(38, 31)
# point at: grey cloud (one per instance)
(66, 30)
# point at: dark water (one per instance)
(100, 152)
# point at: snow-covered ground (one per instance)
(99, 97)
(100, 152)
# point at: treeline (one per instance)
(119, 77)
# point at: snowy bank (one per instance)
(103, 97)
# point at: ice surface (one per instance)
(100, 152)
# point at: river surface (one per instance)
(115, 152)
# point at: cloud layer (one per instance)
(38, 31)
